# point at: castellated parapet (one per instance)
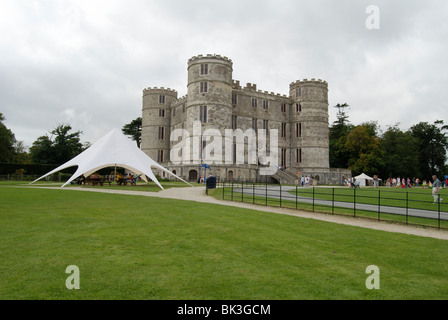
(219, 102)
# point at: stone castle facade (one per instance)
(216, 101)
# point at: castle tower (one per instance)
(309, 120)
(156, 121)
(209, 96)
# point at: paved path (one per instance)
(198, 194)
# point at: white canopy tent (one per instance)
(363, 178)
(113, 150)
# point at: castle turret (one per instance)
(209, 95)
(309, 120)
(156, 121)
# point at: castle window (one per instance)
(298, 107)
(266, 126)
(298, 130)
(174, 112)
(298, 92)
(283, 107)
(234, 99)
(204, 87)
(159, 155)
(162, 99)
(254, 124)
(203, 114)
(162, 113)
(254, 102)
(265, 104)
(161, 133)
(298, 155)
(234, 122)
(204, 68)
(283, 130)
(283, 158)
(183, 108)
(202, 154)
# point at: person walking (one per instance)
(436, 188)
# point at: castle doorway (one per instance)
(193, 175)
(230, 175)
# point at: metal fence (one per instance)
(405, 206)
(57, 177)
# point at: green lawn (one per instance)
(412, 198)
(417, 198)
(140, 186)
(136, 247)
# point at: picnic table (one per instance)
(121, 180)
(97, 181)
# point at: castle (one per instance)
(215, 101)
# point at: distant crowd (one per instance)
(412, 183)
(397, 182)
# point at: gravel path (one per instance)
(198, 194)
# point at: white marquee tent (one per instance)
(363, 178)
(112, 150)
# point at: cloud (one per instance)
(87, 62)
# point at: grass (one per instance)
(413, 198)
(136, 247)
(416, 198)
(140, 186)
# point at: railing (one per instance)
(407, 206)
(18, 177)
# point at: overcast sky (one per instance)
(85, 63)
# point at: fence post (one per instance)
(438, 210)
(223, 187)
(266, 193)
(242, 191)
(354, 202)
(231, 197)
(313, 199)
(379, 204)
(407, 207)
(296, 197)
(280, 195)
(332, 202)
(253, 193)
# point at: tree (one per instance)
(7, 141)
(365, 154)
(338, 136)
(372, 128)
(42, 150)
(134, 129)
(64, 147)
(400, 153)
(432, 146)
(21, 154)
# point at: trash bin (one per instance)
(210, 183)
